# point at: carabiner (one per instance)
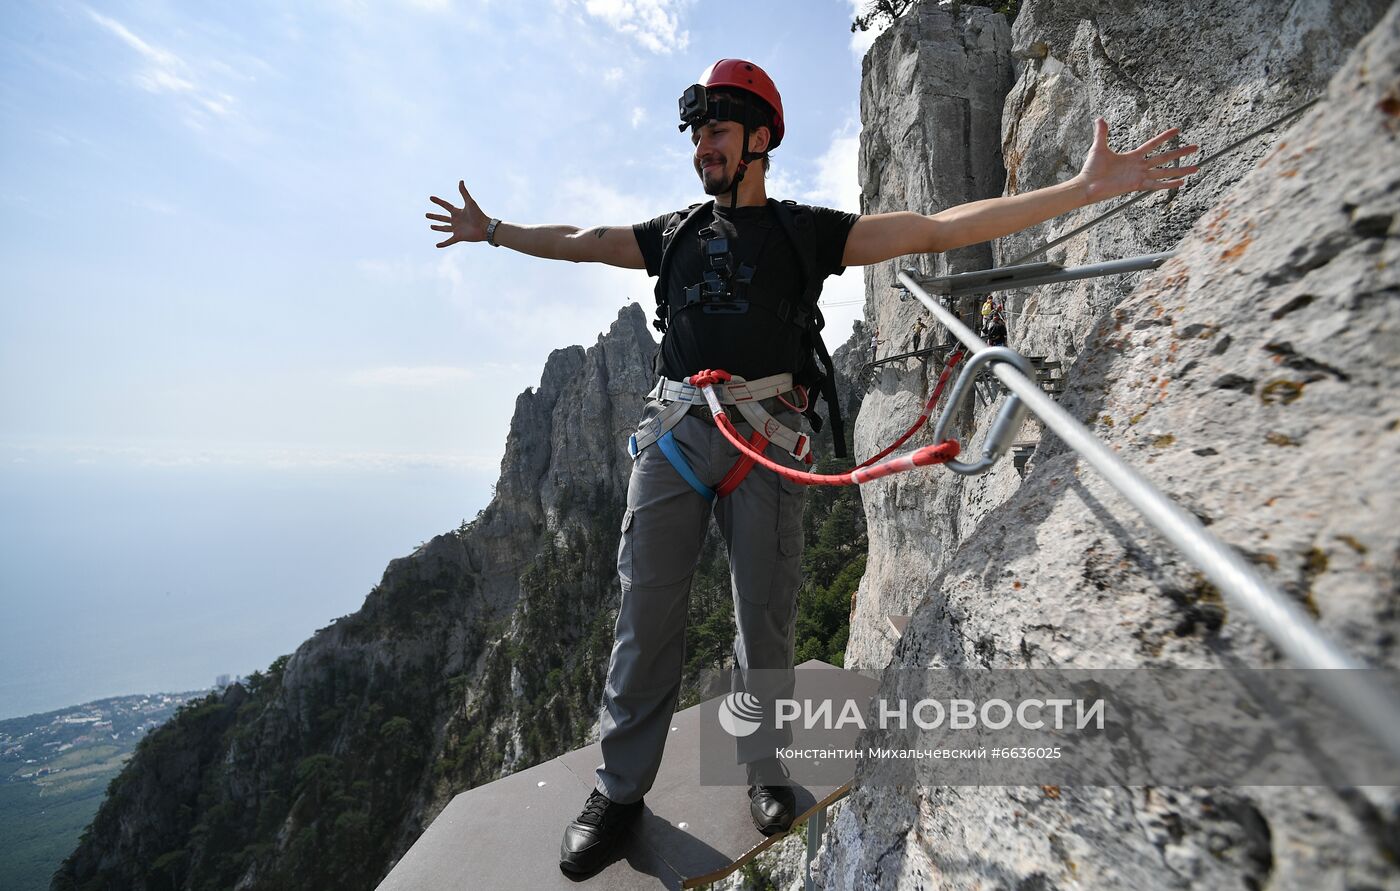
(1008, 420)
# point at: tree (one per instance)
(883, 12)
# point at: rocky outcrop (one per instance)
(482, 651)
(1217, 70)
(932, 88)
(1252, 378)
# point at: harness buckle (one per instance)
(738, 390)
(803, 450)
(1008, 419)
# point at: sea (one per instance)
(118, 578)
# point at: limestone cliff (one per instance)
(1253, 378)
(932, 88)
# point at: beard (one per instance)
(715, 180)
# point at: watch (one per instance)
(491, 231)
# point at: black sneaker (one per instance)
(597, 831)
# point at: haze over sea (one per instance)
(129, 578)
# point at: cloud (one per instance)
(861, 41)
(590, 202)
(836, 183)
(416, 376)
(613, 76)
(639, 115)
(155, 205)
(162, 75)
(655, 24)
(838, 172)
(166, 72)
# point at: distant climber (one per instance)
(993, 323)
(737, 283)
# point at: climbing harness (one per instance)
(716, 389)
(933, 454)
(681, 398)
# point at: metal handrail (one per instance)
(1281, 619)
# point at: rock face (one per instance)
(483, 650)
(932, 88)
(1252, 378)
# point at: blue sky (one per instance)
(236, 377)
(214, 248)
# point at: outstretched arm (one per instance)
(614, 245)
(1105, 174)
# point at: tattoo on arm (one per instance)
(600, 231)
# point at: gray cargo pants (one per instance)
(663, 530)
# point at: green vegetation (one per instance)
(54, 770)
(883, 12)
(832, 565)
(40, 828)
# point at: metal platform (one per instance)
(506, 834)
(897, 624)
(1007, 278)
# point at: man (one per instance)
(731, 299)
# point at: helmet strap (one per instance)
(745, 157)
(742, 168)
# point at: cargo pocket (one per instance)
(787, 568)
(624, 550)
(792, 500)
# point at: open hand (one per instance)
(466, 223)
(1107, 173)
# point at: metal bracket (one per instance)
(1008, 420)
(1029, 275)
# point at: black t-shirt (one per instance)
(757, 343)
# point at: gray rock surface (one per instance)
(932, 88)
(1218, 70)
(1252, 378)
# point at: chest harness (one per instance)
(724, 289)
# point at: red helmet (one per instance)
(747, 76)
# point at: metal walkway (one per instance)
(506, 834)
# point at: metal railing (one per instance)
(1279, 617)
